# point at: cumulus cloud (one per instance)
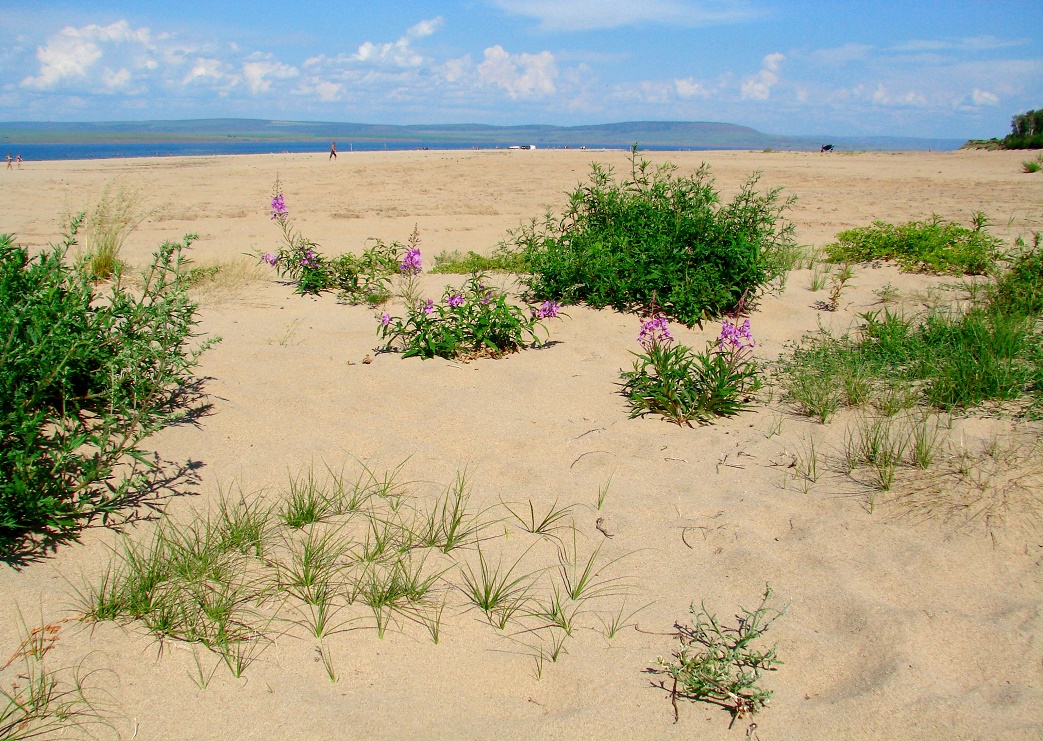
(758, 87)
(260, 75)
(399, 53)
(689, 88)
(73, 52)
(883, 96)
(521, 75)
(581, 15)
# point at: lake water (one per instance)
(109, 150)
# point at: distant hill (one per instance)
(670, 134)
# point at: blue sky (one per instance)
(931, 69)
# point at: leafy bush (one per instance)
(719, 665)
(85, 376)
(1019, 289)
(658, 239)
(475, 321)
(681, 384)
(934, 246)
(358, 279)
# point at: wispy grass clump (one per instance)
(658, 239)
(117, 213)
(934, 246)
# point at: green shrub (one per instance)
(680, 384)
(933, 246)
(85, 376)
(474, 321)
(658, 240)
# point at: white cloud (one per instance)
(580, 15)
(983, 97)
(912, 98)
(689, 88)
(72, 52)
(399, 53)
(521, 75)
(259, 75)
(758, 87)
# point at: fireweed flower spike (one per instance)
(456, 300)
(429, 307)
(411, 264)
(655, 332)
(269, 258)
(736, 337)
(279, 209)
(548, 310)
(385, 319)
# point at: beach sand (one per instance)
(910, 619)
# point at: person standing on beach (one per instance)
(18, 160)
(333, 151)
(9, 161)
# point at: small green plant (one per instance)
(86, 374)
(496, 590)
(682, 385)
(819, 277)
(879, 444)
(1030, 166)
(934, 246)
(719, 664)
(657, 239)
(471, 322)
(547, 523)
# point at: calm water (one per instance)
(31, 152)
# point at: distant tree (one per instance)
(1026, 131)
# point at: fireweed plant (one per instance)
(469, 322)
(681, 384)
(357, 279)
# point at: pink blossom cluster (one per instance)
(737, 337)
(655, 332)
(411, 264)
(548, 310)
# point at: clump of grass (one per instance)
(879, 444)
(935, 246)
(720, 664)
(503, 260)
(655, 238)
(1033, 165)
(116, 214)
(496, 590)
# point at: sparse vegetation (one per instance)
(108, 224)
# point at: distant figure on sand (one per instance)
(18, 161)
(333, 151)
(826, 148)
(9, 160)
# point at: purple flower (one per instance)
(279, 206)
(456, 300)
(736, 337)
(428, 308)
(411, 264)
(655, 332)
(385, 319)
(487, 297)
(269, 258)
(548, 310)
(310, 260)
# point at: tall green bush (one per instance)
(85, 375)
(658, 240)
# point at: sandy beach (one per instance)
(908, 619)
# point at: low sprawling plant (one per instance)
(503, 260)
(657, 239)
(361, 278)
(473, 321)
(1033, 165)
(684, 385)
(86, 374)
(719, 664)
(934, 246)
